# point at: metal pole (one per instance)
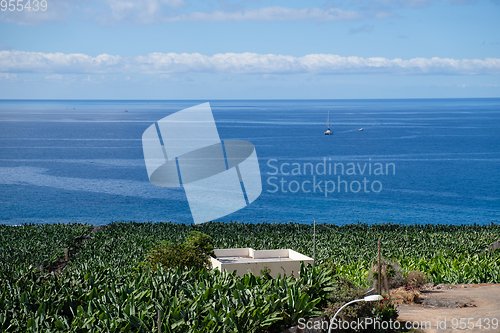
(314, 244)
(379, 270)
(159, 321)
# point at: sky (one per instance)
(249, 49)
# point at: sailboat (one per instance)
(328, 131)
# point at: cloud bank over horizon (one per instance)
(156, 11)
(161, 11)
(272, 13)
(12, 61)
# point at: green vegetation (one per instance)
(195, 252)
(107, 287)
(30, 244)
(84, 300)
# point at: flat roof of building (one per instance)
(244, 260)
(228, 260)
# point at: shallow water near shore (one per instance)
(415, 161)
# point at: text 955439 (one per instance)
(22, 5)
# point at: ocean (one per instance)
(415, 161)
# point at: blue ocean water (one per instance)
(416, 161)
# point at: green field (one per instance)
(106, 288)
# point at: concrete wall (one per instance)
(276, 268)
(299, 256)
(216, 263)
(283, 253)
(240, 252)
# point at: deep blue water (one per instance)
(82, 161)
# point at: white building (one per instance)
(246, 260)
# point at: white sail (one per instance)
(328, 132)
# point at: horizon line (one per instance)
(239, 99)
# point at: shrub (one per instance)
(392, 275)
(384, 311)
(195, 252)
(201, 242)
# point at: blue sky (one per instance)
(180, 49)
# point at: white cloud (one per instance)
(138, 11)
(37, 62)
(379, 4)
(237, 63)
(274, 13)
(156, 11)
(8, 76)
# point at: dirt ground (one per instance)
(451, 308)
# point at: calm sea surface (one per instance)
(416, 161)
